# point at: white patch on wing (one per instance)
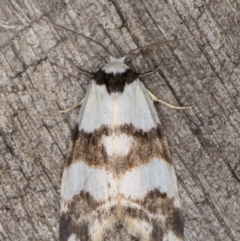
(117, 144)
(64, 206)
(177, 203)
(156, 174)
(135, 227)
(170, 236)
(78, 176)
(98, 229)
(132, 106)
(73, 238)
(146, 225)
(134, 184)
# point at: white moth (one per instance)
(119, 182)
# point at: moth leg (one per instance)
(155, 99)
(70, 108)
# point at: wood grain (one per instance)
(37, 76)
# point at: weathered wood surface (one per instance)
(37, 76)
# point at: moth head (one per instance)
(115, 66)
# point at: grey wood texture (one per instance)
(38, 76)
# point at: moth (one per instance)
(119, 182)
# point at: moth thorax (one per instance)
(115, 75)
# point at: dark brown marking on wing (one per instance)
(89, 148)
(69, 227)
(158, 203)
(155, 208)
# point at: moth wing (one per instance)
(119, 182)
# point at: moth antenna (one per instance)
(156, 43)
(149, 72)
(155, 99)
(75, 32)
(89, 74)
